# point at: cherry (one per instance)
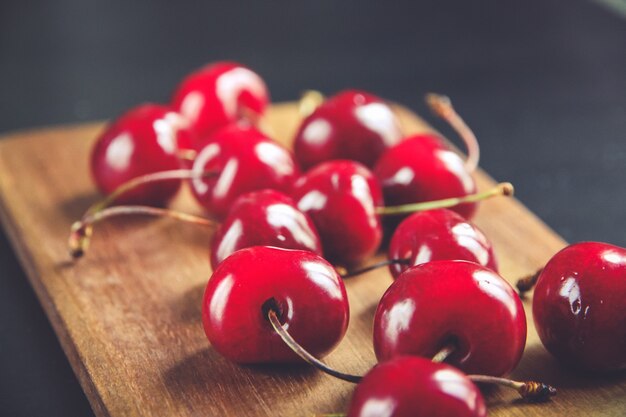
(267, 218)
(243, 160)
(351, 125)
(579, 308)
(408, 386)
(438, 235)
(341, 197)
(142, 141)
(300, 288)
(423, 168)
(420, 168)
(219, 94)
(457, 304)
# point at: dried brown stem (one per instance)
(527, 283)
(346, 273)
(529, 390)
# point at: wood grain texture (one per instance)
(128, 314)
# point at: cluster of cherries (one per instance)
(275, 296)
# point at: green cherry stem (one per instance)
(444, 353)
(82, 230)
(331, 415)
(175, 174)
(188, 155)
(503, 188)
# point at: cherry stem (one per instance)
(309, 101)
(527, 283)
(442, 107)
(444, 353)
(529, 390)
(345, 273)
(331, 415)
(187, 154)
(175, 174)
(504, 188)
(82, 230)
(302, 352)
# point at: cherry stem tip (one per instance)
(444, 353)
(309, 101)
(440, 104)
(528, 390)
(527, 283)
(442, 107)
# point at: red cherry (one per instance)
(436, 235)
(421, 168)
(307, 293)
(351, 125)
(219, 94)
(142, 141)
(264, 218)
(579, 307)
(411, 386)
(458, 303)
(341, 197)
(244, 160)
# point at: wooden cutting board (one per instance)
(128, 314)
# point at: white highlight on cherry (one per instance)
(379, 118)
(120, 151)
(317, 132)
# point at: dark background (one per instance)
(542, 82)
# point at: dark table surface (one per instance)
(542, 82)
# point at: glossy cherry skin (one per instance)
(409, 386)
(458, 302)
(219, 94)
(351, 125)
(341, 197)
(244, 160)
(308, 292)
(422, 168)
(437, 235)
(264, 218)
(579, 306)
(142, 141)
